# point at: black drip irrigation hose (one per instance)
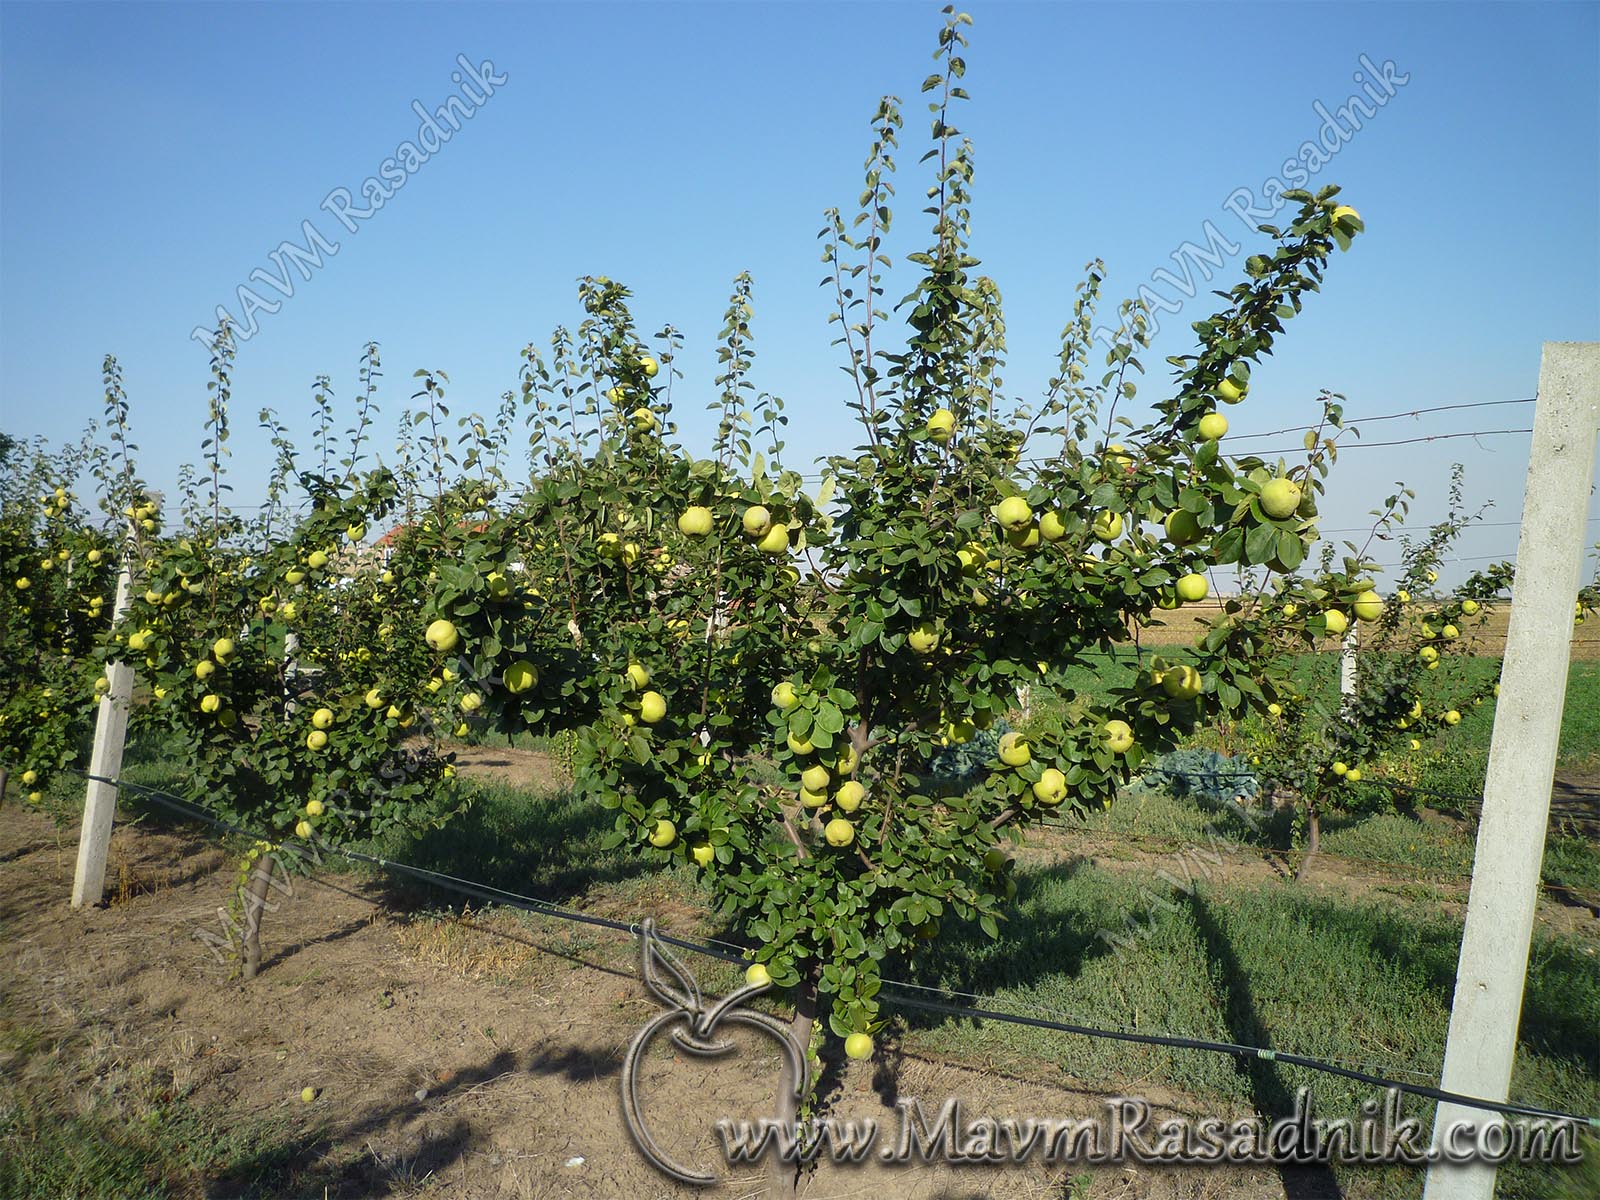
(467, 887)
(967, 1012)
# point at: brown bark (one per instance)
(786, 1176)
(1313, 841)
(255, 901)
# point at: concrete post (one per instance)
(291, 670)
(1493, 967)
(1347, 666)
(105, 762)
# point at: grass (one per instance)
(545, 845)
(127, 1133)
(1450, 777)
(1573, 862)
(1358, 983)
(1459, 772)
(1580, 721)
(1442, 849)
(1150, 814)
(1400, 840)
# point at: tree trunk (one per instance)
(785, 1175)
(5, 777)
(1313, 841)
(255, 901)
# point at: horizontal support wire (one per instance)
(728, 952)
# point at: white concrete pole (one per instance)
(1347, 665)
(291, 667)
(100, 799)
(1522, 756)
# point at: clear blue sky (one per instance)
(155, 155)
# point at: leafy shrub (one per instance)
(1205, 774)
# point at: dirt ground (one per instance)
(519, 768)
(481, 1057)
(471, 1059)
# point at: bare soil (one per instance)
(479, 1056)
(519, 768)
(464, 1058)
